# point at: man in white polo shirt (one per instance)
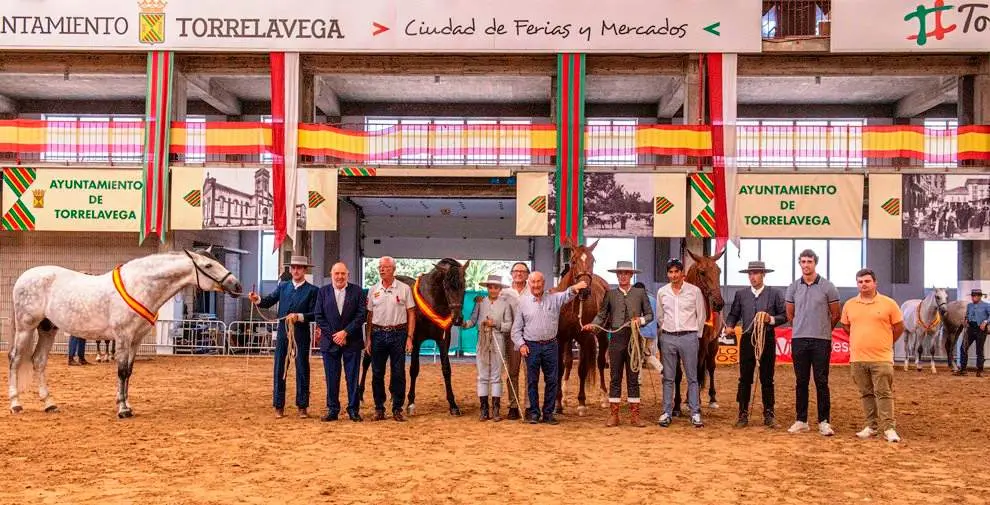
(391, 316)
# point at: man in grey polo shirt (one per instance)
(812, 305)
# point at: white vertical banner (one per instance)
(531, 204)
(292, 78)
(730, 100)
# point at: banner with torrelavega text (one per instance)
(73, 199)
(799, 205)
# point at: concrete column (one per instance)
(974, 108)
(303, 242)
(693, 114)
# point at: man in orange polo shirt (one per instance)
(874, 323)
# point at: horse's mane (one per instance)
(452, 275)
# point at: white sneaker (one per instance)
(866, 433)
(799, 427)
(696, 421)
(825, 429)
(891, 435)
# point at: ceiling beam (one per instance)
(73, 63)
(8, 105)
(212, 92)
(671, 98)
(423, 187)
(436, 64)
(326, 98)
(223, 64)
(636, 64)
(860, 65)
(924, 99)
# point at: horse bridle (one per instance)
(199, 270)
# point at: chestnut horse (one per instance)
(705, 273)
(575, 314)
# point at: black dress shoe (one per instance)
(397, 415)
(379, 414)
(551, 420)
(329, 417)
(533, 418)
(355, 417)
(513, 414)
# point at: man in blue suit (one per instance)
(296, 299)
(340, 313)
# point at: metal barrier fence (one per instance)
(189, 336)
(787, 19)
(5, 326)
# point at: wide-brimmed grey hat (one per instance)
(493, 279)
(756, 266)
(301, 261)
(624, 266)
(976, 292)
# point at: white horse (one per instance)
(121, 304)
(922, 324)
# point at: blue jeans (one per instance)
(331, 369)
(77, 347)
(388, 346)
(542, 357)
(302, 371)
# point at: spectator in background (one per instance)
(77, 349)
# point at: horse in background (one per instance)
(922, 323)
(111, 352)
(953, 326)
(439, 296)
(575, 314)
(122, 303)
(705, 274)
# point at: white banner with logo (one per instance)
(890, 26)
(654, 26)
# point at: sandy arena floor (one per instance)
(204, 434)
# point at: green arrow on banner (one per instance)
(713, 28)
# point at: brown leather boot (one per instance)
(634, 416)
(613, 416)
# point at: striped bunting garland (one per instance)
(892, 206)
(661, 205)
(157, 132)
(357, 171)
(539, 204)
(570, 148)
(193, 198)
(18, 218)
(315, 199)
(19, 179)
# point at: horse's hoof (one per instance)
(52, 409)
(604, 405)
(713, 405)
(455, 411)
(124, 414)
(582, 411)
(16, 409)
(410, 409)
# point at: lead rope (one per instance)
(758, 339)
(290, 334)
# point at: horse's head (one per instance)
(705, 273)
(941, 300)
(451, 276)
(211, 275)
(581, 266)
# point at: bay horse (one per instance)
(953, 328)
(705, 274)
(439, 296)
(922, 324)
(575, 314)
(122, 304)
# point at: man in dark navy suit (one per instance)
(296, 299)
(341, 309)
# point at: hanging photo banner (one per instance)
(800, 206)
(75, 199)
(388, 26)
(890, 26)
(930, 206)
(224, 198)
(531, 204)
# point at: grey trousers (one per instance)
(685, 348)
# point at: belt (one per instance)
(679, 333)
(397, 327)
(549, 341)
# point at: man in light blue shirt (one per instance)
(534, 334)
(977, 325)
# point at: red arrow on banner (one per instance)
(379, 28)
